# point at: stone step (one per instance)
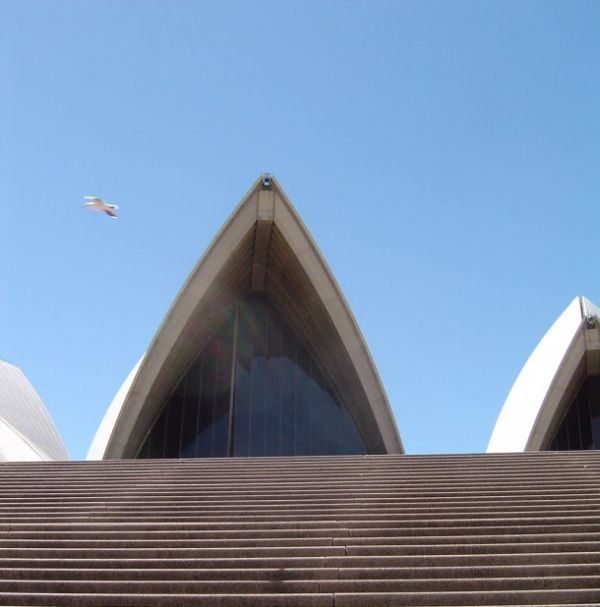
(349, 520)
(319, 573)
(311, 586)
(300, 503)
(290, 522)
(328, 550)
(176, 553)
(283, 499)
(192, 531)
(314, 539)
(474, 598)
(291, 477)
(149, 561)
(200, 511)
(302, 484)
(570, 597)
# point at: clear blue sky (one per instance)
(444, 155)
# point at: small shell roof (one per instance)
(527, 413)
(24, 412)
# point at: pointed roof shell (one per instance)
(26, 429)
(264, 247)
(538, 395)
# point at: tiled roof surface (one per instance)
(23, 411)
(506, 529)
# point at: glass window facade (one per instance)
(580, 426)
(254, 390)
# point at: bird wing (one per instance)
(94, 198)
(111, 214)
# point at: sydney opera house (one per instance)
(251, 457)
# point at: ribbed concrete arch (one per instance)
(27, 432)
(566, 354)
(263, 247)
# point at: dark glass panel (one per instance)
(206, 404)
(202, 369)
(304, 396)
(241, 417)
(580, 426)
(189, 425)
(173, 422)
(561, 438)
(350, 439)
(273, 386)
(583, 411)
(258, 374)
(157, 436)
(282, 402)
(221, 428)
(329, 417)
(291, 408)
(318, 416)
(241, 414)
(573, 434)
(222, 392)
(256, 431)
(288, 392)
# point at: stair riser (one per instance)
(318, 573)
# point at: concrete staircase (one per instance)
(515, 529)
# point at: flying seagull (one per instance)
(97, 204)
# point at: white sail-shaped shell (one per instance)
(27, 432)
(263, 247)
(538, 395)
